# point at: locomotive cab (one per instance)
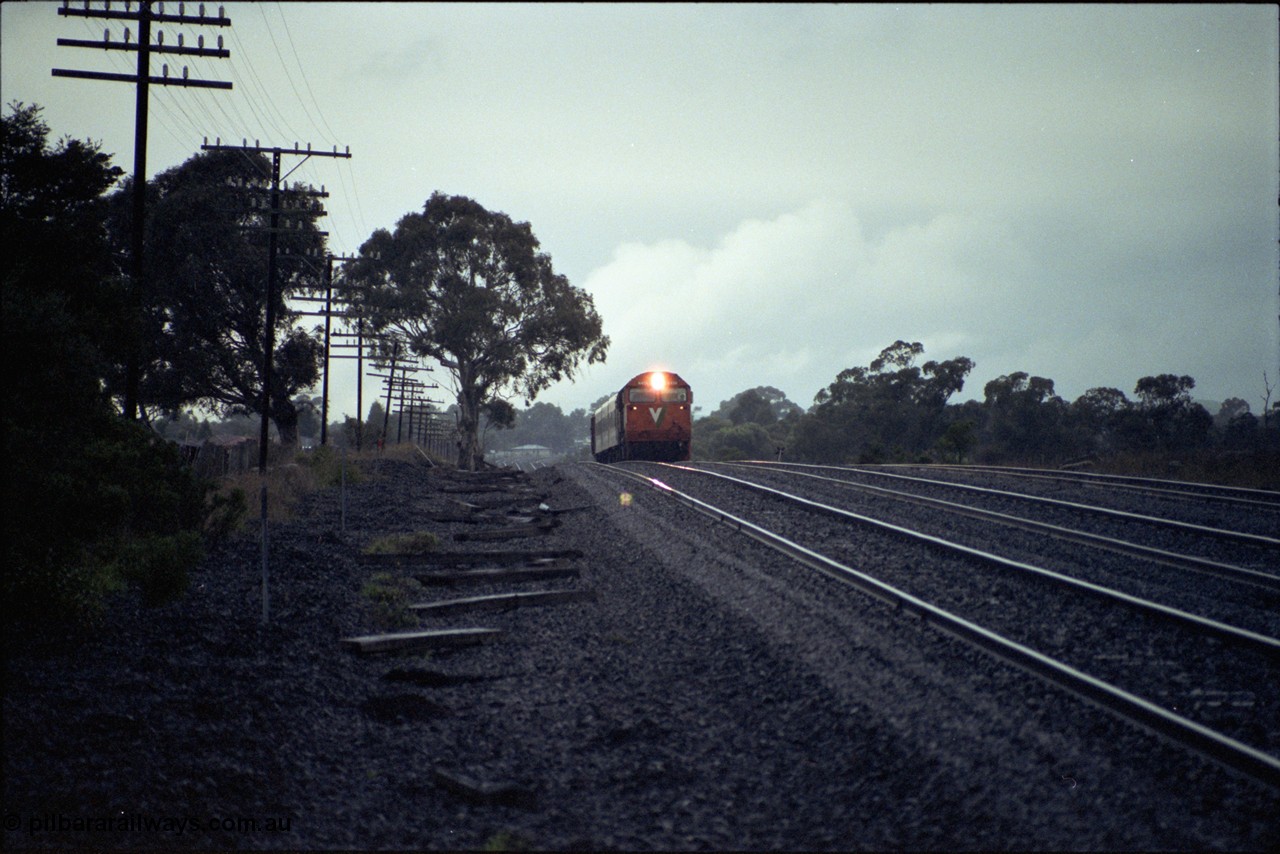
(650, 418)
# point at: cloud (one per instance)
(791, 301)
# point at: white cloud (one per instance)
(791, 301)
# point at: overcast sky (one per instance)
(768, 194)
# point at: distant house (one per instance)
(532, 452)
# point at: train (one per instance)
(650, 418)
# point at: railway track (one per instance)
(1266, 581)
(1202, 682)
(1145, 486)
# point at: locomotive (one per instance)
(650, 418)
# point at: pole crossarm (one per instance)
(145, 16)
(178, 49)
(220, 20)
(133, 78)
(263, 149)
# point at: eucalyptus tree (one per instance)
(470, 289)
(207, 274)
(889, 405)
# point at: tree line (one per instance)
(898, 409)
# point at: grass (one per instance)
(413, 543)
(505, 840)
(287, 484)
(389, 596)
(1250, 470)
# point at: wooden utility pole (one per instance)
(273, 231)
(144, 16)
(269, 333)
(327, 314)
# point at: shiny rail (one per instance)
(1207, 742)
(1261, 498)
(1187, 527)
(1218, 569)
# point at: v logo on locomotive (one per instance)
(656, 412)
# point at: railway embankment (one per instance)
(574, 665)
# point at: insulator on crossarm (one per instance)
(200, 42)
(221, 14)
(219, 42)
(127, 35)
(160, 37)
(165, 69)
(106, 35)
(201, 10)
(179, 39)
(184, 72)
(182, 8)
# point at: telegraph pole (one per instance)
(273, 231)
(327, 314)
(144, 17)
(269, 342)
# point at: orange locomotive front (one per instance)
(651, 418)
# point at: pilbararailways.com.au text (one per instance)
(127, 822)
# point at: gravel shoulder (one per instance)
(701, 701)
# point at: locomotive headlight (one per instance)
(657, 380)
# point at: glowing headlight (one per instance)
(657, 380)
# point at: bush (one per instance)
(325, 465)
(91, 517)
(157, 566)
(389, 596)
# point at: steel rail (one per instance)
(1201, 491)
(1220, 533)
(1266, 644)
(1218, 569)
(1221, 748)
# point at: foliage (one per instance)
(91, 503)
(417, 542)
(389, 596)
(80, 523)
(326, 467)
(470, 289)
(206, 274)
(889, 404)
(891, 411)
(543, 424)
(752, 425)
(957, 441)
(1025, 419)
